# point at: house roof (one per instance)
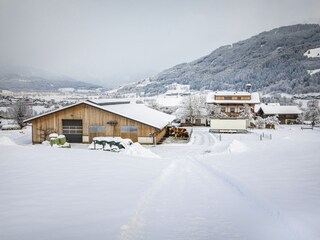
(257, 106)
(133, 111)
(255, 98)
(270, 109)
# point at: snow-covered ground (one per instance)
(236, 188)
(315, 52)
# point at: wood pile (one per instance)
(178, 132)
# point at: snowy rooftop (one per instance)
(139, 113)
(134, 111)
(269, 109)
(255, 98)
(110, 101)
(257, 106)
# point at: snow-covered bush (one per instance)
(246, 113)
(260, 123)
(272, 122)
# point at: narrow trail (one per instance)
(193, 200)
(133, 229)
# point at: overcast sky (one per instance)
(112, 42)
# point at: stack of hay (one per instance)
(58, 141)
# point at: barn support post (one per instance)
(113, 124)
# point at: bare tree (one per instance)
(193, 106)
(214, 111)
(45, 132)
(21, 111)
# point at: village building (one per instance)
(197, 120)
(83, 121)
(233, 103)
(286, 114)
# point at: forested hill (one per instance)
(273, 61)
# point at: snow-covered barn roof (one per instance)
(255, 98)
(258, 106)
(134, 111)
(269, 109)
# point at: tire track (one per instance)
(134, 228)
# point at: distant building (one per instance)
(176, 89)
(232, 103)
(286, 114)
(83, 121)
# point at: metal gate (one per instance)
(72, 129)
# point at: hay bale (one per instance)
(54, 141)
(62, 139)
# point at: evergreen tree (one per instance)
(313, 112)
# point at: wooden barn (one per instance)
(286, 114)
(83, 121)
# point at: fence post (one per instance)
(270, 136)
(220, 137)
(260, 137)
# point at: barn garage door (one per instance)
(130, 132)
(72, 129)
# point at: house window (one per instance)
(232, 109)
(129, 129)
(223, 109)
(97, 129)
(246, 98)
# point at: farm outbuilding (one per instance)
(83, 121)
(286, 114)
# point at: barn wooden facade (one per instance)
(83, 121)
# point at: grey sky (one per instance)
(121, 41)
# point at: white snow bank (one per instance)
(311, 72)
(53, 135)
(137, 150)
(312, 53)
(11, 127)
(7, 141)
(237, 147)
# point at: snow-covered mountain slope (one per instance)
(273, 61)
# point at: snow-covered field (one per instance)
(236, 188)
